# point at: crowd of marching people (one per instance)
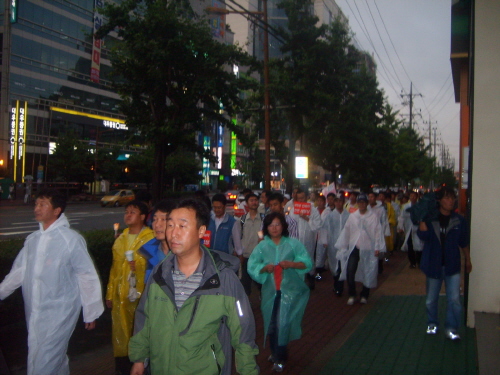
(178, 289)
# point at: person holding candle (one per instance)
(118, 291)
(279, 263)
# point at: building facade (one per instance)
(55, 81)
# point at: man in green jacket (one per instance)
(193, 307)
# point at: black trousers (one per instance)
(280, 353)
(337, 284)
(352, 267)
(413, 256)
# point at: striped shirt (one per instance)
(185, 286)
(293, 229)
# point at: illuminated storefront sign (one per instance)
(17, 134)
(114, 125)
(301, 167)
(13, 131)
(108, 122)
(206, 162)
(21, 131)
(234, 143)
(95, 68)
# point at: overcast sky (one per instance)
(416, 36)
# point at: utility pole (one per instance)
(410, 102)
(435, 145)
(430, 123)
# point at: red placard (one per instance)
(239, 212)
(300, 208)
(206, 238)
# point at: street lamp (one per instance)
(267, 123)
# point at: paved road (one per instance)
(18, 220)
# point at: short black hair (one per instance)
(321, 197)
(276, 197)
(268, 192)
(219, 198)
(299, 191)
(248, 196)
(445, 191)
(331, 195)
(57, 199)
(141, 206)
(269, 219)
(199, 207)
(165, 206)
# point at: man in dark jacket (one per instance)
(224, 235)
(193, 307)
(444, 236)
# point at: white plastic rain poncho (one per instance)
(333, 225)
(307, 230)
(321, 240)
(363, 231)
(405, 224)
(294, 291)
(58, 279)
(381, 213)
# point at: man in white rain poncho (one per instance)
(378, 208)
(333, 224)
(412, 242)
(359, 245)
(58, 278)
(308, 226)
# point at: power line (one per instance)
(390, 39)
(383, 44)
(365, 32)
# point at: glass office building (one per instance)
(54, 80)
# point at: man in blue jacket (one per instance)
(224, 235)
(444, 236)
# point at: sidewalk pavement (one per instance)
(386, 336)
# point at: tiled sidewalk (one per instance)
(392, 340)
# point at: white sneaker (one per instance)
(350, 301)
(363, 300)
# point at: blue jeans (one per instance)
(453, 305)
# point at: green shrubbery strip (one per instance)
(99, 243)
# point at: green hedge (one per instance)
(99, 243)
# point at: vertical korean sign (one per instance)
(206, 162)
(17, 134)
(95, 68)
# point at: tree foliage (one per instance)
(172, 76)
(71, 161)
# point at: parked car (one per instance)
(117, 198)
